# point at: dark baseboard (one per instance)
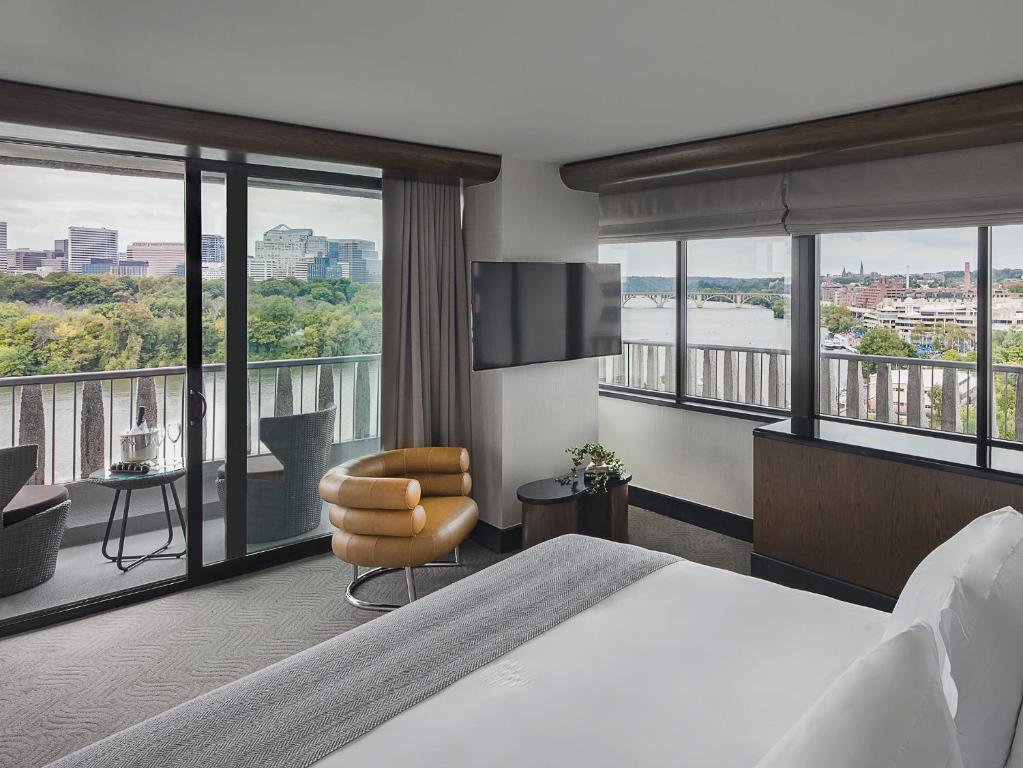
(717, 520)
(500, 540)
(790, 575)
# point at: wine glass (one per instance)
(174, 434)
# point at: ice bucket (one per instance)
(139, 447)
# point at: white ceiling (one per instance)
(555, 80)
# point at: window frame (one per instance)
(197, 571)
(679, 398)
(804, 355)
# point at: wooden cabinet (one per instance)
(861, 516)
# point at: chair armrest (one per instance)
(379, 522)
(340, 488)
(438, 484)
(435, 460)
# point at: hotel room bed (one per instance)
(578, 651)
(689, 666)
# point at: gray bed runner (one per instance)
(301, 709)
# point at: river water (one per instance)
(713, 323)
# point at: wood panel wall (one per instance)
(862, 519)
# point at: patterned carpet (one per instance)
(67, 686)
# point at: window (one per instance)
(898, 328)
(649, 317)
(92, 326)
(738, 320)
(1007, 333)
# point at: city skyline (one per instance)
(39, 204)
(888, 253)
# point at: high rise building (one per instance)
(26, 259)
(967, 287)
(287, 252)
(213, 249)
(362, 259)
(87, 243)
(3, 245)
(163, 258)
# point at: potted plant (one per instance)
(602, 466)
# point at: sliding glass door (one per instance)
(185, 346)
(291, 332)
(92, 376)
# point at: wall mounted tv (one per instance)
(536, 312)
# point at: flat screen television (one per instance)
(536, 312)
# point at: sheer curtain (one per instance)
(425, 359)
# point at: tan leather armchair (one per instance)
(399, 510)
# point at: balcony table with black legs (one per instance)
(159, 476)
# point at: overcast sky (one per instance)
(932, 250)
(39, 204)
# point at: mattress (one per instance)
(689, 666)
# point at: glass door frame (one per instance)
(237, 560)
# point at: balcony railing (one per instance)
(76, 418)
(912, 392)
(748, 375)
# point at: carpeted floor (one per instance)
(67, 686)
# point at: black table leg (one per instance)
(181, 514)
(110, 523)
(159, 552)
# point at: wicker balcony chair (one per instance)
(282, 490)
(33, 522)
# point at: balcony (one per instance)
(920, 393)
(76, 420)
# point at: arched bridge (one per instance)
(661, 298)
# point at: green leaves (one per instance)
(69, 323)
(609, 465)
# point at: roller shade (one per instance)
(964, 187)
(730, 207)
(969, 187)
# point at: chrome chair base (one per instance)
(360, 579)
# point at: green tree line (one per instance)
(71, 323)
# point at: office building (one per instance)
(163, 258)
(87, 243)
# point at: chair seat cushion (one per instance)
(31, 500)
(449, 520)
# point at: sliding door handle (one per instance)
(196, 405)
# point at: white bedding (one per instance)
(689, 667)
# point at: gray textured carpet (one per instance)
(64, 687)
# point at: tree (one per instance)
(778, 307)
(880, 340)
(839, 319)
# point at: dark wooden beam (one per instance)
(237, 137)
(977, 118)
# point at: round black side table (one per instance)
(159, 476)
(552, 508)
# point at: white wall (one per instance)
(524, 418)
(691, 455)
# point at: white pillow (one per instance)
(970, 592)
(887, 710)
